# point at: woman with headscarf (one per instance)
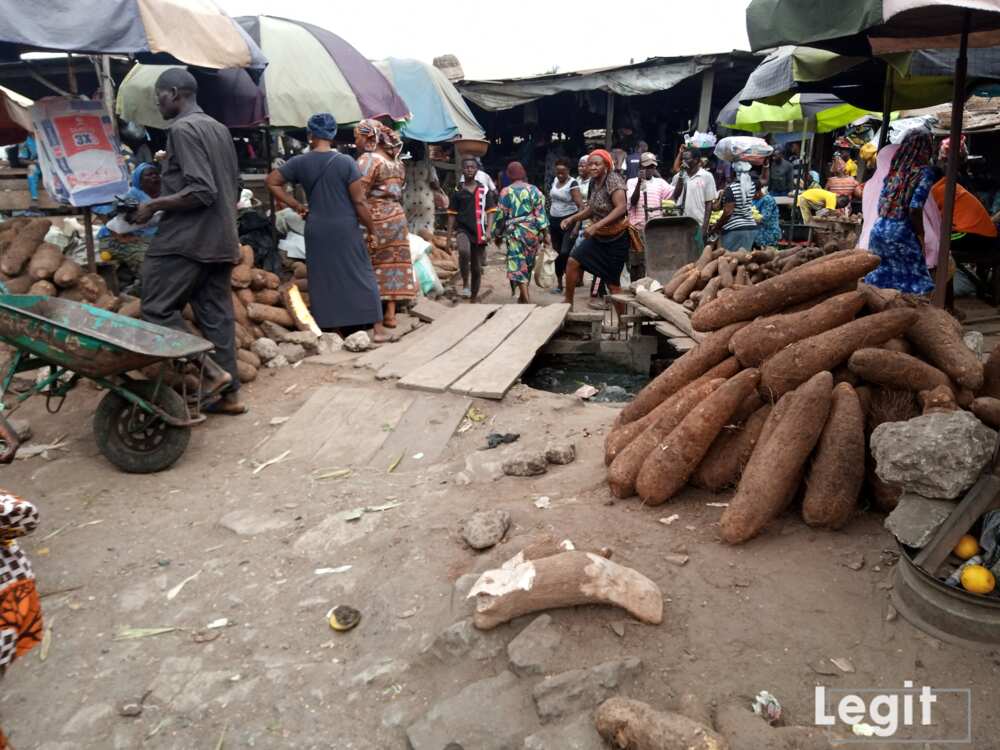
(384, 176)
(127, 243)
(897, 236)
(343, 292)
(768, 229)
(737, 224)
(522, 226)
(605, 246)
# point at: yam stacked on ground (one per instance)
(779, 399)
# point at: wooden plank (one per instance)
(984, 496)
(379, 357)
(670, 330)
(447, 332)
(494, 376)
(669, 311)
(445, 369)
(425, 428)
(428, 310)
(20, 200)
(683, 345)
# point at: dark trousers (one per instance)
(562, 243)
(471, 259)
(169, 282)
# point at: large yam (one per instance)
(246, 256)
(938, 336)
(240, 311)
(259, 313)
(268, 297)
(988, 411)
(896, 370)
(19, 284)
(709, 352)
(624, 470)
(838, 468)
(25, 242)
(93, 287)
(45, 262)
(724, 462)
(241, 277)
(245, 355)
(762, 338)
(672, 462)
(247, 372)
(991, 375)
(131, 307)
(771, 295)
(632, 725)
(775, 468)
(43, 288)
(68, 273)
(798, 362)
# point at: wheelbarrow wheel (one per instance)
(134, 440)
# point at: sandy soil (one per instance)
(111, 546)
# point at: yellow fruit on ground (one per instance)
(978, 579)
(967, 546)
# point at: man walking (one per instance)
(192, 256)
(696, 192)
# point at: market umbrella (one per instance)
(439, 111)
(813, 113)
(871, 27)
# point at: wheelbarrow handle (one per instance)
(9, 442)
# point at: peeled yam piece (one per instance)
(633, 725)
(302, 319)
(568, 579)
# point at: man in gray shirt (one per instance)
(191, 258)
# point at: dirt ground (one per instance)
(111, 546)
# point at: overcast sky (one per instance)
(533, 37)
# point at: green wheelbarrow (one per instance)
(141, 426)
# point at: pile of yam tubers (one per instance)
(716, 269)
(780, 397)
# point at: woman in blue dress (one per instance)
(768, 229)
(898, 234)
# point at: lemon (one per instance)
(967, 546)
(978, 580)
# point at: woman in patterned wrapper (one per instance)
(383, 175)
(20, 607)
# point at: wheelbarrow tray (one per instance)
(669, 245)
(88, 340)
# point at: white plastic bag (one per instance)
(424, 274)
(743, 148)
(545, 267)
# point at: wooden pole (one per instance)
(71, 75)
(88, 237)
(609, 121)
(951, 176)
(883, 134)
(705, 102)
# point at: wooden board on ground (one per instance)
(333, 359)
(669, 330)
(425, 429)
(444, 370)
(682, 345)
(339, 427)
(494, 376)
(443, 335)
(428, 310)
(670, 311)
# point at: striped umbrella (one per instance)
(195, 32)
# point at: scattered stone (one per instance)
(292, 352)
(619, 628)
(252, 523)
(265, 348)
(483, 466)
(975, 341)
(491, 714)
(855, 562)
(560, 453)
(21, 428)
(576, 734)
(525, 464)
(916, 519)
(357, 342)
(130, 708)
(380, 668)
(328, 343)
(532, 650)
(464, 585)
(306, 339)
(484, 529)
(678, 560)
(585, 392)
(843, 664)
(277, 362)
(462, 639)
(936, 455)
(582, 689)
(274, 331)
(891, 614)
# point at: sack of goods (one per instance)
(743, 148)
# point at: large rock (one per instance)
(560, 453)
(582, 689)
(357, 342)
(492, 714)
(576, 734)
(277, 362)
(526, 464)
(274, 331)
(533, 650)
(328, 343)
(937, 455)
(484, 529)
(462, 639)
(252, 523)
(265, 348)
(916, 518)
(292, 352)
(306, 339)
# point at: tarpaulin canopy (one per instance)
(15, 117)
(813, 113)
(649, 77)
(438, 111)
(194, 32)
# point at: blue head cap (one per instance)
(323, 125)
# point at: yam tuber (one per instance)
(687, 286)
(260, 313)
(19, 284)
(108, 301)
(629, 724)
(247, 372)
(300, 270)
(258, 280)
(25, 242)
(45, 262)
(245, 355)
(898, 345)
(762, 338)
(246, 256)
(73, 294)
(44, 288)
(706, 257)
(240, 311)
(241, 277)
(991, 375)
(896, 370)
(726, 271)
(710, 269)
(244, 339)
(987, 409)
(838, 468)
(798, 362)
(670, 464)
(131, 308)
(938, 336)
(68, 273)
(782, 291)
(709, 352)
(246, 296)
(624, 470)
(724, 462)
(302, 284)
(937, 400)
(774, 470)
(268, 297)
(93, 286)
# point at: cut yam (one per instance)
(782, 291)
(798, 362)
(894, 369)
(43, 288)
(988, 411)
(762, 338)
(260, 313)
(708, 353)
(624, 470)
(938, 336)
(45, 261)
(838, 467)
(23, 246)
(298, 310)
(670, 464)
(68, 273)
(241, 277)
(773, 473)
(724, 462)
(93, 286)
